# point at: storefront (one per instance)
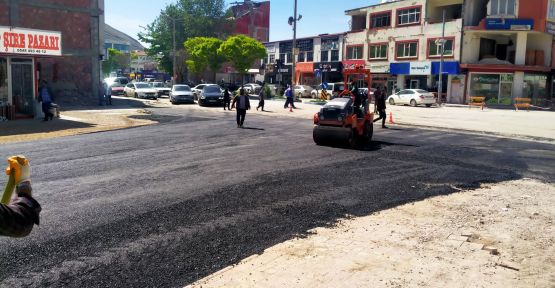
(19, 72)
(496, 87)
(425, 75)
(329, 72)
(381, 76)
(304, 74)
(280, 77)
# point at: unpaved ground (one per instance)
(497, 236)
(73, 123)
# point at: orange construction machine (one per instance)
(347, 119)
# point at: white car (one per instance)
(303, 90)
(140, 90)
(413, 97)
(251, 88)
(197, 90)
(181, 94)
(161, 88)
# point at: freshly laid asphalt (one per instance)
(167, 204)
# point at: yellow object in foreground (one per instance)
(15, 174)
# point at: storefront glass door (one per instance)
(22, 86)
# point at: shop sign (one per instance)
(509, 24)
(508, 78)
(379, 68)
(420, 68)
(328, 66)
(486, 78)
(30, 42)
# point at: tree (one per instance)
(242, 51)
(116, 60)
(203, 52)
(193, 18)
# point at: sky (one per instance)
(319, 16)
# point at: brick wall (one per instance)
(70, 76)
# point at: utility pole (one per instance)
(442, 41)
(174, 76)
(294, 22)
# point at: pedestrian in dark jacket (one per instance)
(46, 97)
(241, 104)
(18, 218)
(379, 105)
(261, 101)
(227, 99)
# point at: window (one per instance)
(409, 16)
(300, 57)
(282, 56)
(289, 57)
(434, 48)
(407, 50)
(380, 20)
(334, 55)
(354, 52)
(265, 61)
(272, 58)
(377, 51)
(309, 56)
(324, 56)
(501, 8)
(551, 13)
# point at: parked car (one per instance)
(333, 90)
(140, 90)
(252, 88)
(115, 85)
(181, 94)
(161, 88)
(197, 90)
(413, 97)
(211, 95)
(303, 91)
(364, 91)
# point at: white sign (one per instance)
(271, 49)
(420, 68)
(379, 68)
(30, 42)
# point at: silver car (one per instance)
(181, 94)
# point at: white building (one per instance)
(398, 42)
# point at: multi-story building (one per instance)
(399, 42)
(508, 50)
(319, 60)
(58, 41)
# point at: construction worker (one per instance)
(379, 105)
(18, 218)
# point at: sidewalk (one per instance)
(495, 236)
(534, 125)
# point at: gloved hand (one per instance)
(18, 166)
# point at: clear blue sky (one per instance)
(319, 16)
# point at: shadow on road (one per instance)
(254, 128)
(31, 126)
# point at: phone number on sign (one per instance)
(30, 51)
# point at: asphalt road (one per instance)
(167, 204)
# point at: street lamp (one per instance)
(174, 73)
(293, 22)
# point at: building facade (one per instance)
(319, 60)
(60, 42)
(508, 50)
(399, 42)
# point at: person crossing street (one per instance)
(379, 105)
(241, 104)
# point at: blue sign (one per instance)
(317, 72)
(509, 24)
(324, 85)
(403, 68)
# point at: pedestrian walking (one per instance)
(19, 216)
(108, 91)
(289, 98)
(46, 97)
(227, 99)
(261, 101)
(379, 105)
(241, 104)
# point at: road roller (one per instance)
(342, 123)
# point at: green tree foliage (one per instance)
(202, 52)
(242, 51)
(193, 18)
(116, 60)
